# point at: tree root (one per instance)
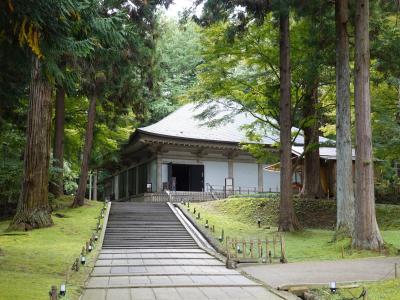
(24, 220)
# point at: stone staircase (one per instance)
(147, 254)
(143, 226)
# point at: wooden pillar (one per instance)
(230, 172)
(159, 174)
(137, 180)
(116, 186)
(260, 178)
(230, 168)
(126, 183)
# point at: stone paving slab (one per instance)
(181, 293)
(155, 250)
(159, 262)
(161, 270)
(129, 268)
(153, 255)
(169, 280)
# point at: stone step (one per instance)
(169, 280)
(158, 262)
(153, 255)
(181, 293)
(156, 250)
(161, 270)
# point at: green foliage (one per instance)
(238, 217)
(34, 261)
(178, 55)
(11, 151)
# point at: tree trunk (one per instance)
(366, 231)
(57, 187)
(287, 218)
(312, 187)
(33, 210)
(79, 199)
(95, 185)
(344, 161)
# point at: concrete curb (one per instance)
(99, 243)
(217, 246)
(207, 235)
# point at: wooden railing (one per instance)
(176, 197)
(257, 250)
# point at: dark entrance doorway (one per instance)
(188, 177)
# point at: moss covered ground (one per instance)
(31, 262)
(238, 218)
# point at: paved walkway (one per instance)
(149, 254)
(323, 272)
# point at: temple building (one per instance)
(181, 153)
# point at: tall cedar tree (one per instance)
(143, 19)
(33, 206)
(344, 161)
(29, 24)
(87, 149)
(216, 10)
(287, 217)
(366, 231)
(57, 187)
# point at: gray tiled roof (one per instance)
(324, 152)
(183, 123)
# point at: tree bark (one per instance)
(57, 187)
(312, 187)
(95, 185)
(79, 199)
(366, 231)
(344, 161)
(33, 210)
(287, 217)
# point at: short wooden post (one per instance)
(251, 249)
(259, 249)
(244, 248)
(213, 228)
(283, 249)
(274, 245)
(236, 248)
(194, 210)
(227, 247)
(53, 293)
(77, 264)
(266, 249)
(221, 238)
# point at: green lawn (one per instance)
(383, 290)
(31, 262)
(238, 217)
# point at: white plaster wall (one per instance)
(271, 181)
(215, 173)
(245, 175)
